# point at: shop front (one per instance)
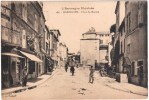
(11, 66)
(32, 64)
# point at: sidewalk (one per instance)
(30, 84)
(126, 87)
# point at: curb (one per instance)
(128, 91)
(48, 78)
(30, 87)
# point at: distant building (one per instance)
(120, 14)
(104, 47)
(54, 41)
(63, 54)
(89, 48)
(122, 50)
(45, 48)
(95, 47)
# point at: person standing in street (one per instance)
(101, 70)
(24, 79)
(66, 66)
(72, 69)
(91, 75)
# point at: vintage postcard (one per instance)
(74, 50)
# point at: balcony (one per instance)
(10, 36)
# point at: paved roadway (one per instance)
(64, 86)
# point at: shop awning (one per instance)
(31, 57)
(11, 54)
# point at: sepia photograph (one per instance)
(74, 50)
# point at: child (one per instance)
(91, 75)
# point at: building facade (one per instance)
(136, 40)
(89, 46)
(46, 51)
(20, 41)
(130, 47)
(63, 54)
(104, 47)
(54, 41)
(95, 47)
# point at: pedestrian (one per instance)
(72, 69)
(96, 65)
(66, 66)
(101, 70)
(24, 78)
(91, 75)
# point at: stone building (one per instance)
(122, 34)
(46, 50)
(130, 48)
(120, 14)
(136, 40)
(63, 54)
(89, 47)
(95, 47)
(104, 47)
(20, 40)
(54, 41)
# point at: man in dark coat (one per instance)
(24, 78)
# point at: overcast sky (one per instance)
(72, 25)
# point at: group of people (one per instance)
(72, 69)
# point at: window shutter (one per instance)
(140, 17)
(136, 68)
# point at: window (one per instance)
(101, 41)
(36, 24)
(140, 14)
(128, 48)
(23, 39)
(124, 45)
(140, 63)
(121, 47)
(13, 7)
(47, 47)
(128, 22)
(24, 11)
(47, 35)
(132, 68)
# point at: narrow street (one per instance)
(64, 86)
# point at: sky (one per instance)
(72, 25)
